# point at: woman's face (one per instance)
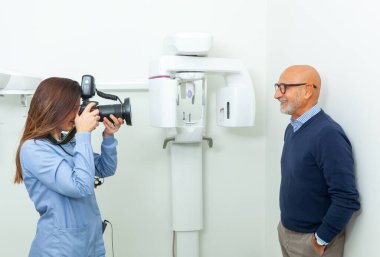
(69, 121)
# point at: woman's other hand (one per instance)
(111, 128)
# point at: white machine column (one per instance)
(178, 100)
(187, 244)
(186, 162)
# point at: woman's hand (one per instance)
(88, 120)
(111, 128)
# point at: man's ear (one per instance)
(309, 90)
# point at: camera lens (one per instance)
(127, 112)
(118, 110)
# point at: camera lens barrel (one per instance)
(118, 110)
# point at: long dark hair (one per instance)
(53, 101)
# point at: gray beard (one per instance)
(291, 108)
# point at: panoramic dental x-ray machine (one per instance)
(178, 98)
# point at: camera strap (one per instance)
(66, 139)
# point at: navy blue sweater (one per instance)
(318, 190)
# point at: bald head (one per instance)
(302, 74)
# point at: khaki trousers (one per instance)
(294, 244)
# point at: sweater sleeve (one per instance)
(336, 160)
(40, 160)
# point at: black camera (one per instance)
(122, 110)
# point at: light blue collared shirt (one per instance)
(304, 117)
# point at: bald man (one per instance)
(318, 192)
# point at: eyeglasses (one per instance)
(283, 87)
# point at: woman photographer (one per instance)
(59, 173)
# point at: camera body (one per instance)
(122, 110)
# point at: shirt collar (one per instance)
(304, 117)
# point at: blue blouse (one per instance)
(61, 185)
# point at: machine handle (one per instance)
(209, 141)
(167, 140)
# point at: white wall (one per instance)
(114, 41)
(341, 39)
